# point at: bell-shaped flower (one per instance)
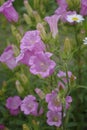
(54, 118)
(41, 64)
(9, 11)
(83, 10)
(32, 41)
(8, 58)
(53, 22)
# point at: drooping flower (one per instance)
(41, 64)
(85, 41)
(54, 103)
(83, 10)
(8, 58)
(52, 21)
(74, 18)
(54, 118)
(13, 104)
(32, 41)
(29, 105)
(9, 12)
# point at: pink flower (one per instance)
(29, 105)
(13, 104)
(14, 112)
(54, 118)
(62, 12)
(83, 10)
(68, 101)
(32, 41)
(54, 103)
(62, 75)
(24, 57)
(41, 64)
(52, 21)
(61, 86)
(62, 3)
(8, 11)
(8, 58)
(37, 112)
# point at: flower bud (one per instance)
(37, 16)
(36, 3)
(25, 127)
(27, 19)
(28, 7)
(40, 27)
(24, 78)
(15, 50)
(16, 33)
(40, 93)
(19, 87)
(67, 46)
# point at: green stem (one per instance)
(78, 55)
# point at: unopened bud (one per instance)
(67, 46)
(36, 3)
(37, 16)
(40, 93)
(19, 87)
(25, 127)
(28, 7)
(40, 27)
(27, 19)
(16, 33)
(15, 49)
(24, 79)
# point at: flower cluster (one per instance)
(62, 75)
(33, 54)
(62, 14)
(55, 106)
(28, 105)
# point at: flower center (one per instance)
(56, 102)
(30, 106)
(55, 119)
(75, 19)
(43, 66)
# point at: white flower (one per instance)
(75, 18)
(85, 40)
